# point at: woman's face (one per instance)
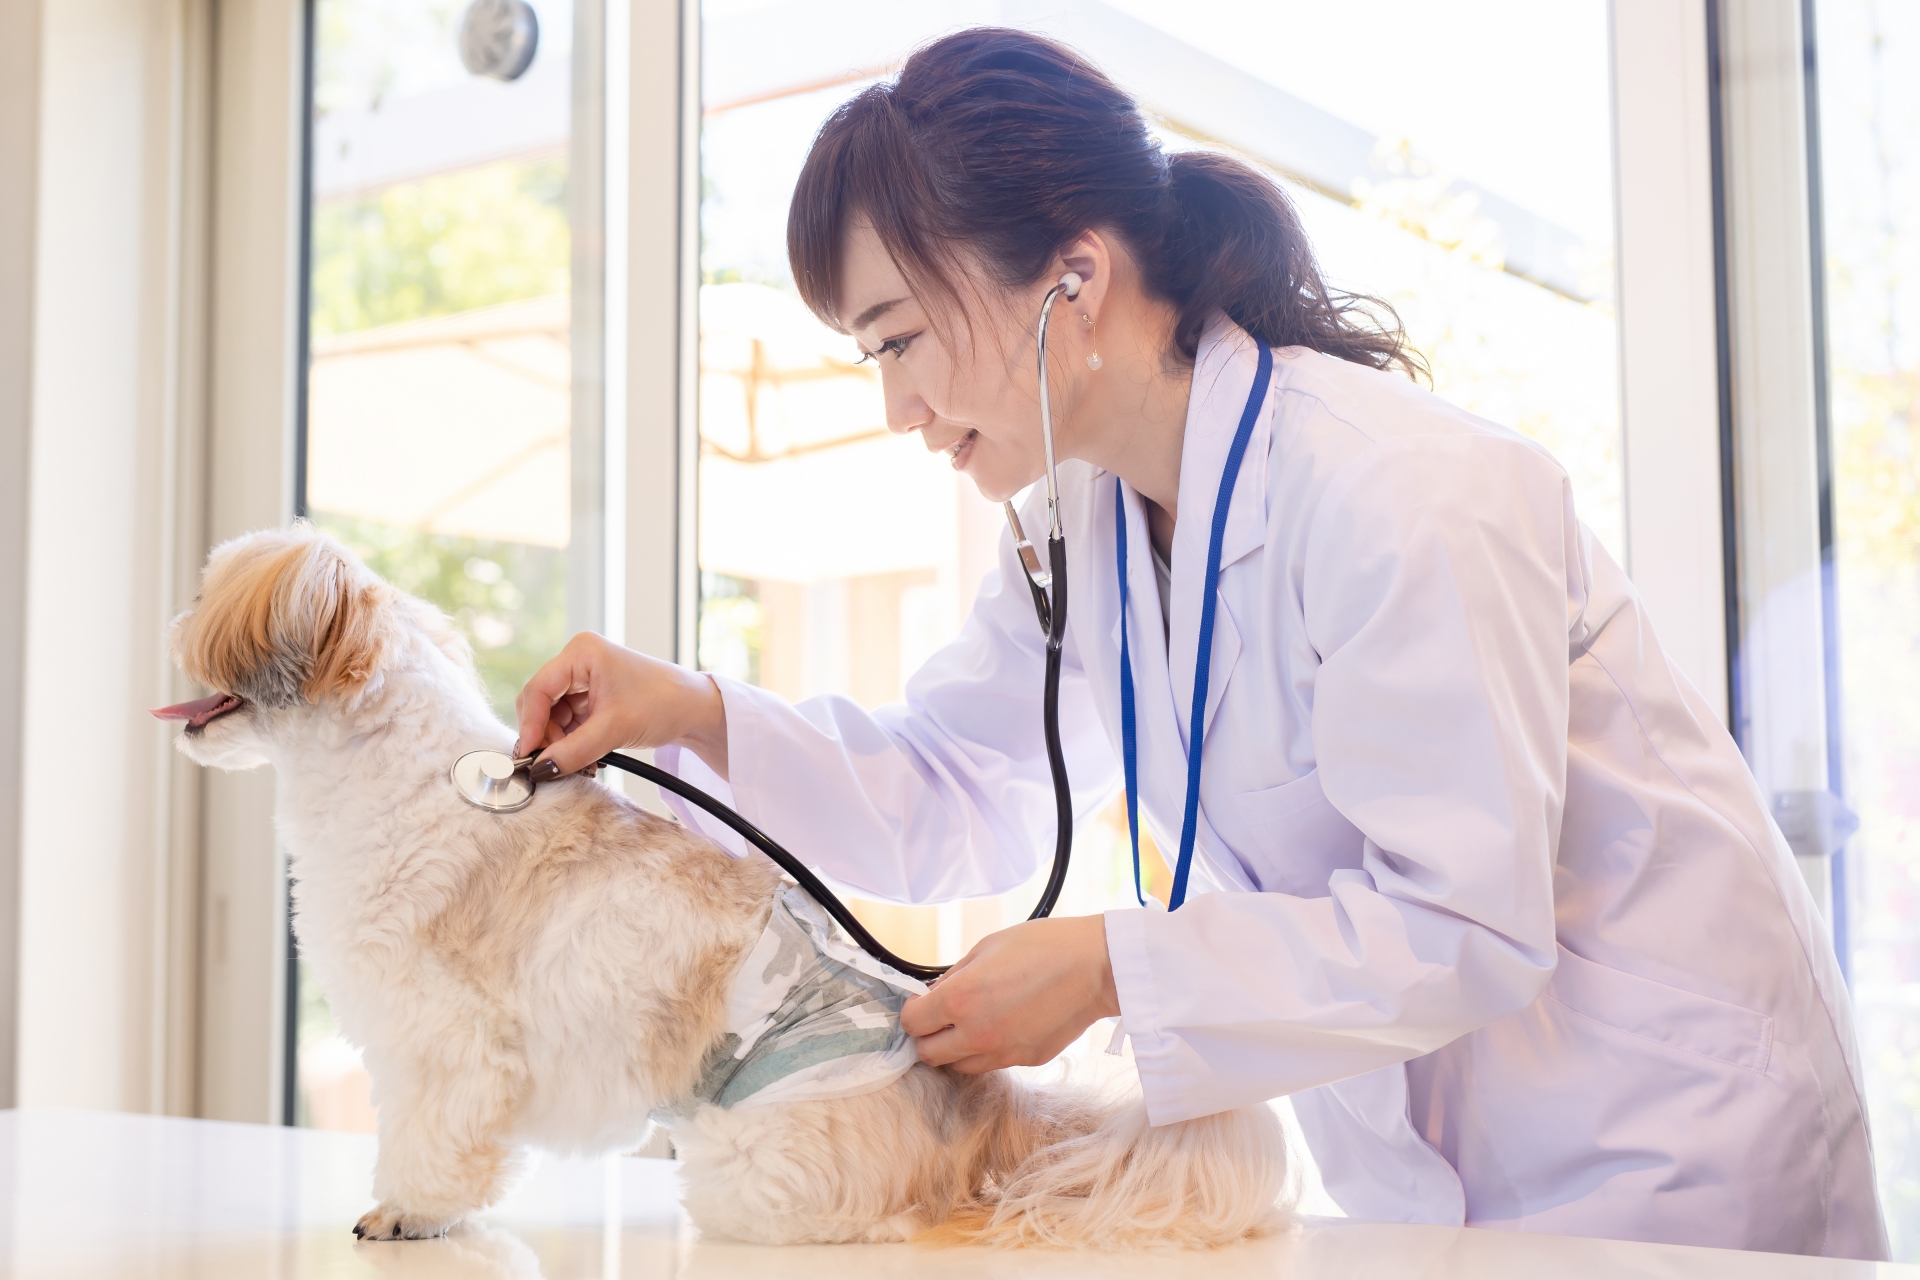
(973, 396)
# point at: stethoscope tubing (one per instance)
(1046, 408)
(818, 891)
(1050, 605)
(802, 875)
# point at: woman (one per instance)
(1478, 878)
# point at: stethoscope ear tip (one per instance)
(1071, 282)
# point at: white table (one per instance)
(98, 1196)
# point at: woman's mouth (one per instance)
(961, 449)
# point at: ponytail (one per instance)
(1233, 244)
(1013, 146)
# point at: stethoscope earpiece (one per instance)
(1071, 282)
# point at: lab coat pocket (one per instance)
(1683, 1020)
(1290, 838)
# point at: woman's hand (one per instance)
(596, 697)
(1018, 998)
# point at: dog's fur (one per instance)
(548, 978)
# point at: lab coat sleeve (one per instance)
(945, 795)
(1435, 586)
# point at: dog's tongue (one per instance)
(199, 711)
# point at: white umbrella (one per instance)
(800, 480)
(453, 424)
(458, 425)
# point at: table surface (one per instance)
(96, 1195)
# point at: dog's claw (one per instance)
(389, 1222)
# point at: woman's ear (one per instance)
(1090, 257)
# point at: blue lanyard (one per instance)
(1203, 659)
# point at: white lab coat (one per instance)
(1481, 881)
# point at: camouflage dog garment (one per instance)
(810, 1016)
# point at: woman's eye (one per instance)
(896, 346)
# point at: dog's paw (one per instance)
(388, 1222)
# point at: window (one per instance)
(453, 404)
(1869, 185)
(1489, 228)
(452, 401)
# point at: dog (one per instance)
(560, 977)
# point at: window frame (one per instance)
(256, 275)
(1776, 473)
(1670, 402)
(1666, 247)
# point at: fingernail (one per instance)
(544, 771)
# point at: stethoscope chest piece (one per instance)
(492, 780)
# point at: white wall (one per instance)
(147, 268)
(19, 151)
(89, 776)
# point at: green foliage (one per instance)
(1876, 473)
(732, 626)
(509, 599)
(435, 246)
(368, 49)
(441, 244)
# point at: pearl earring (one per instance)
(1093, 361)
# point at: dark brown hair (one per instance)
(1012, 146)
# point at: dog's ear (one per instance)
(348, 625)
(283, 617)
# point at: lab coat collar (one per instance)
(1162, 726)
(1223, 373)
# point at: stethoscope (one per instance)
(499, 783)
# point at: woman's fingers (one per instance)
(1018, 999)
(949, 1030)
(552, 682)
(596, 697)
(926, 1015)
(579, 747)
(949, 1048)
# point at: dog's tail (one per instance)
(1075, 1168)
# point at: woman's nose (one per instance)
(906, 411)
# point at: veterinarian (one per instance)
(1478, 876)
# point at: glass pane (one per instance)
(444, 328)
(1490, 230)
(1869, 110)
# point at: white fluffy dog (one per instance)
(554, 977)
